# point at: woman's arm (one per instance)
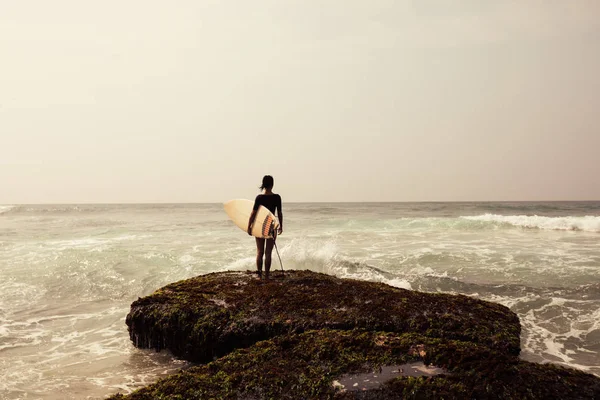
(280, 215)
(251, 222)
(253, 215)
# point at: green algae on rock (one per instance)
(310, 365)
(206, 317)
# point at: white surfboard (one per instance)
(265, 223)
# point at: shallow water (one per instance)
(68, 274)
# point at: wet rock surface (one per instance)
(312, 335)
(312, 365)
(206, 317)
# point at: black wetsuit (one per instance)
(271, 201)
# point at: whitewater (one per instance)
(68, 274)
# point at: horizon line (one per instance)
(308, 202)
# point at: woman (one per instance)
(272, 202)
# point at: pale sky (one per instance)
(339, 100)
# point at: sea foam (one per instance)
(5, 208)
(586, 223)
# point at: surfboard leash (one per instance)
(278, 256)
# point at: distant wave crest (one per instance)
(5, 208)
(586, 224)
(48, 209)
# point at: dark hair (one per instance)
(267, 182)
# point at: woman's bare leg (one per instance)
(260, 251)
(268, 251)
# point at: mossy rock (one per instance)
(311, 365)
(206, 317)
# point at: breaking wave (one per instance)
(323, 256)
(5, 208)
(586, 223)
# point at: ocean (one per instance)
(68, 274)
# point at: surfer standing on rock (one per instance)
(264, 246)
